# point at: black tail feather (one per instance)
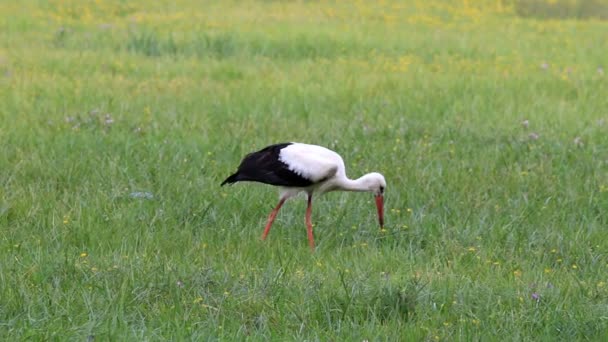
(231, 179)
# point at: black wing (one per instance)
(264, 166)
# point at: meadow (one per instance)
(119, 120)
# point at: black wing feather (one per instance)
(265, 167)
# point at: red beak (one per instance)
(380, 207)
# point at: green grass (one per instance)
(581, 9)
(494, 230)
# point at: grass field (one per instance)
(118, 121)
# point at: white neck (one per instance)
(347, 184)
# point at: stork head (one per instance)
(375, 183)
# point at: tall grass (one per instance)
(119, 121)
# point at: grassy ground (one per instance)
(118, 121)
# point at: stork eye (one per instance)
(381, 189)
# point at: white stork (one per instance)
(295, 168)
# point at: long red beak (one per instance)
(380, 207)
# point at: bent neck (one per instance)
(348, 184)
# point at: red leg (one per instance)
(271, 218)
(311, 239)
